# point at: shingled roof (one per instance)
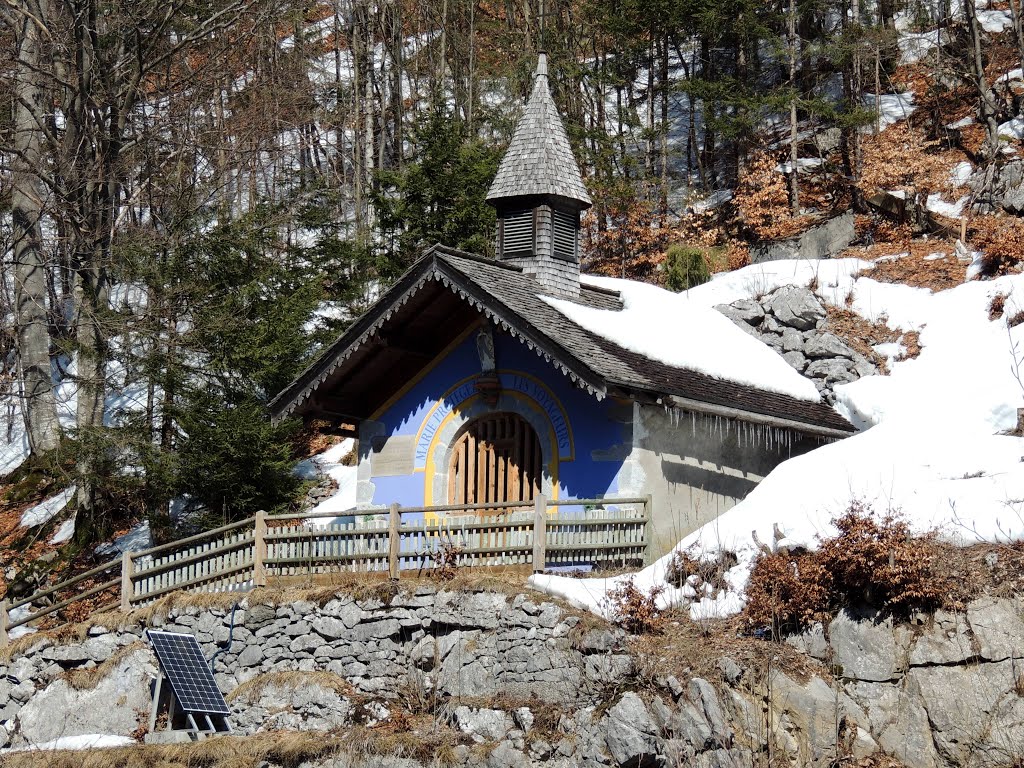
(539, 160)
(512, 300)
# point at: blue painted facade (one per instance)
(582, 439)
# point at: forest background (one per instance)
(196, 196)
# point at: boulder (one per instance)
(630, 733)
(832, 371)
(796, 360)
(743, 311)
(821, 345)
(819, 242)
(797, 308)
(483, 724)
(792, 340)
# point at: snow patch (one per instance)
(329, 463)
(65, 532)
(45, 511)
(994, 22)
(86, 741)
(936, 204)
(891, 107)
(961, 173)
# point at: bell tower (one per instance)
(538, 194)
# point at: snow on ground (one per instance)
(932, 449)
(915, 46)
(45, 511)
(1012, 129)
(994, 22)
(64, 532)
(329, 463)
(892, 107)
(655, 322)
(961, 173)
(936, 204)
(86, 741)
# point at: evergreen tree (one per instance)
(438, 197)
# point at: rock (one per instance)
(112, 706)
(483, 724)
(704, 696)
(899, 723)
(599, 641)
(792, 340)
(831, 371)
(997, 625)
(827, 345)
(796, 360)
(813, 708)
(731, 671)
(743, 311)
(864, 647)
(819, 242)
(812, 642)
(797, 308)
(946, 641)
(630, 733)
(330, 627)
(973, 710)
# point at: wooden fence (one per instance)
(543, 533)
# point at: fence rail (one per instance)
(542, 533)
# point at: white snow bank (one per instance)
(668, 327)
(45, 511)
(1013, 74)
(915, 46)
(329, 463)
(933, 452)
(85, 741)
(1012, 129)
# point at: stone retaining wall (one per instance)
(945, 691)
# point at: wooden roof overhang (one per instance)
(403, 332)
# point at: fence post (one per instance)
(259, 550)
(127, 585)
(3, 621)
(540, 532)
(394, 540)
(648, 530)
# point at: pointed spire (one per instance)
(539, 160)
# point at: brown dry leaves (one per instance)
(902, 157)
(1001, 240)
(917, 270)
(763, 200)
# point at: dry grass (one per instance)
(87, 679)
(692, 649)
(421, 738)
(251, 690)
(859, 333)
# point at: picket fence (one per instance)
(265, 549)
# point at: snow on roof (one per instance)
(667, 327)
(934, 452)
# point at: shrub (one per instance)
(685, 267)
(872, 562)
(633, 610)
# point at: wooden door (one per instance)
(495, 458)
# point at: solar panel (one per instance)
(190, 677)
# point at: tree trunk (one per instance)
(27, 196)
(794, 181)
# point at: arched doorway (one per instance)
(495, 458)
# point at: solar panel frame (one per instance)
(188, 673)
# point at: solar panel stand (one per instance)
(185, 673)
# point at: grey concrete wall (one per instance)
(696, 467)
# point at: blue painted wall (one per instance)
(580, 423)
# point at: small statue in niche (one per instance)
(485, 350)
(487, 383)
